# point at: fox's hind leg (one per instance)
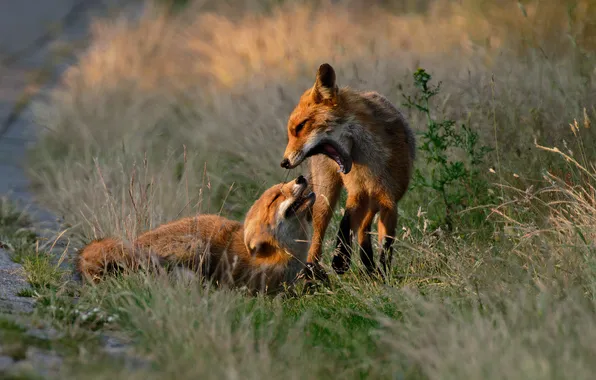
(366, 249)
(357, 221)
(386, 227)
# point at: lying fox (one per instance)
(374, 148)
(265, 252)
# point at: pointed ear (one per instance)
(325, 89)
(258, 243)
(260, 248)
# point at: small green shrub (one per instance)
(458, 182)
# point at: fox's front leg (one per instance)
(326, 184)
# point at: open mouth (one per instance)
(332, 150)
(307, 201)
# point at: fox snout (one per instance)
(299, 186)
(292, 159)
(286, 163)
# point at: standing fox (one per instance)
(371, 142)
(270, 249)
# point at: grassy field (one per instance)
(183, 111)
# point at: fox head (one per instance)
(316, 125)
(280, 220)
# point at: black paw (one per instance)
(340, 263)
(314, 272)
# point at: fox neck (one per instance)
(294, 248)
(354, 130)
(283, 267)
(296, 263)
(289, 257)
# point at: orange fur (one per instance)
(364, 135)
(265, 252)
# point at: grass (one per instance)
(42, 272)
(18, 237)
(26, 292)
(256, 335)
(173, 114)
(16, 234)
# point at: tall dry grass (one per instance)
(204, 96)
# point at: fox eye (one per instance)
(299, 127)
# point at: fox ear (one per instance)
(260, 248)
(258, 243)
(325, 88)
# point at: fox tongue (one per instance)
(330, 150)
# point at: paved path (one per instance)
(28, 28)
(11, 282)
